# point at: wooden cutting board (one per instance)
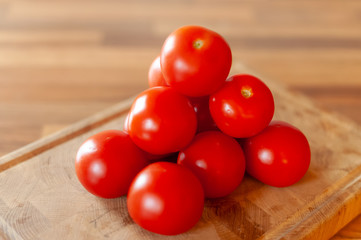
(41, 198)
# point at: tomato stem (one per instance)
(246, 92)
(197, 44)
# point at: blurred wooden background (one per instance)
(61, 61)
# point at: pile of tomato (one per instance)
(190, 136)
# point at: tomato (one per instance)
(155, 75)
(242, 107)
(204, 118)
(107, 162)
(165, 198)
(217, 160)
(278, 156)
(195, 61)
(162, 121)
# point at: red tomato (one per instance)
(278, 156)
(243, 107)
(155, 75)
(195, 61)
(107, 162)
(204, 118)
(165, 198)
(217, 160)
(162, 121)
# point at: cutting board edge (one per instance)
(339, 196)
(35, 148)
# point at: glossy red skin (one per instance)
(278, 156)
(107, 162)
(155, 75)
(217, 160)
(162, 121)
(150, 157)
(204, 118)
(195, 71)
(237, 115)
(166, 198)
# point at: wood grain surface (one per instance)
(61, 61)
(42, 198)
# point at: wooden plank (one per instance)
(42, 198)
(351, 231)
(49, 36)
(75, 11)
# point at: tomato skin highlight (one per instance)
(107, 162)
(279, 156)
(243, 107)
(162, 121)
(155, 75)
(165, 198)
(126, 123)
(217, 160)
(195, 61)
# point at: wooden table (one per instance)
(61, 61)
